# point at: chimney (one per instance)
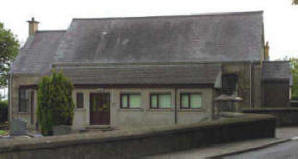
(266, 49)
(33, 26)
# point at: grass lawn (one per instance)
(3, 132)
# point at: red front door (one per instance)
(99, 108)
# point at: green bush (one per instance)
(294, 66)
(3, 111)
(55, 104)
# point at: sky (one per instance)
(280, 16)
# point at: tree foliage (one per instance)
(295, 1)
(55, 104)
(9, 48)
(294, 65)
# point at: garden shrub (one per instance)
(55, 104)
(3, 111)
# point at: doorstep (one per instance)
(99, 127)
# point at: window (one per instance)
(130, 100)
(23, 99)
(229, 83)
(190, 100)
(80, 100)
(160, 101)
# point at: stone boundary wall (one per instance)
(140, 142)
(294, 103)
(284, 116)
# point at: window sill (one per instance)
(80, 109)
(131, 109)
(23, 112)
(192, 110)
(161, 109)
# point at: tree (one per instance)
(55, 104)
(294, 66)
(295, 1)
(9, 48)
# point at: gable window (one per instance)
(190, 100)
(130, 100)
(160, 101)
(229, 84)
(24, 99)
(80, 100)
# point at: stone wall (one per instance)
(294, 103)
(144, 116)
(284, 116)
(140, 142)
(257, 85)
(17, 81)
(249, 82)
(276, 94)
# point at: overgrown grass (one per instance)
(3, 132)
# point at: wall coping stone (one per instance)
(52, 142)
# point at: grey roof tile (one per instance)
(166, 40)
(276, 70)
(144, 74)
(38, 53)
(195, 38)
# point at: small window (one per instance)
(23, 100)
(80, 100)
(229, 83)
(130, 100)
(160, 101)
(191, 100)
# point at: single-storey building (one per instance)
(160, 70)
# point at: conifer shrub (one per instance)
(55, 104)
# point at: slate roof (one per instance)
(38, 53)
(195, 38)
(143, 41)
(144, 74)
(276, 70)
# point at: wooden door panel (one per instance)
(99, 108)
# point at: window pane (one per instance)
(80, 100)
(229, 83)
(195, 101)
(153, 101)
(184, 101)
(27, 99)
(22, 100)
(124, 101)
(134, 101)
(165, 101)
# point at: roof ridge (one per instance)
(51, 30)
(150, 63)
(174, 16)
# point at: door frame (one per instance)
(89, 107)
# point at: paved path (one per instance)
(213, 150)
(221, 149)
(286, 150)
(287, 132)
